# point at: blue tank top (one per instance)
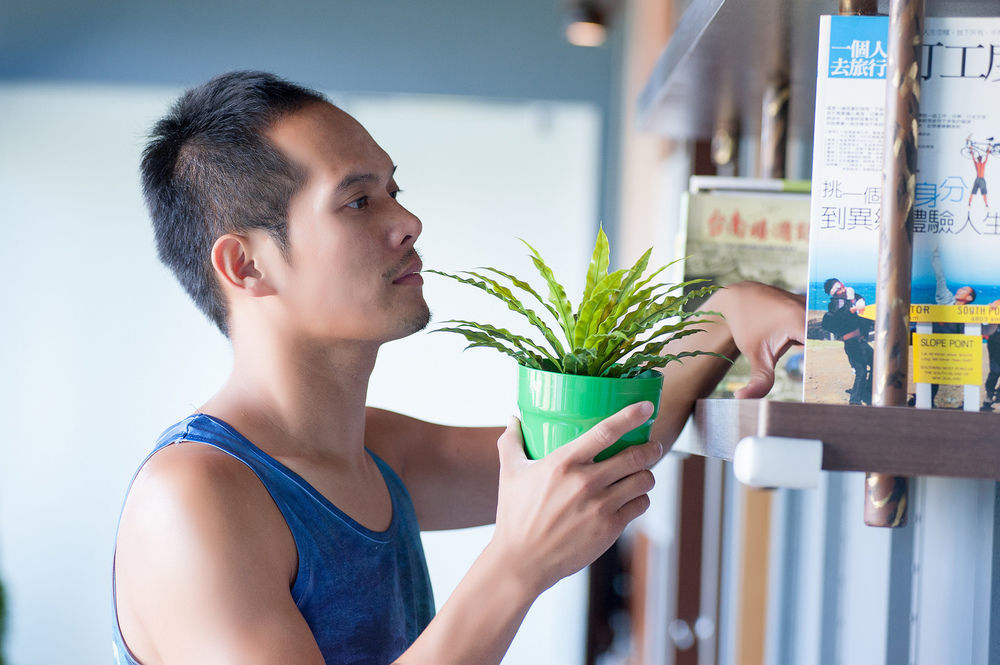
(365, 594)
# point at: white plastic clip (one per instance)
(778, 461)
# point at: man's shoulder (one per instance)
(197, 485)
(197, 527)
(191, 466)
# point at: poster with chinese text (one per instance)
(735, 235)
(955, 286)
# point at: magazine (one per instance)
(747, 229)
(955, 292)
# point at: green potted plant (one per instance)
(593, 360)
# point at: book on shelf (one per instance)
(955, 290)
(749, 229)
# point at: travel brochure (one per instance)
(955, 293)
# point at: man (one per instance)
(279, 523)
(979, 185)
(844, 321)
(964, 295)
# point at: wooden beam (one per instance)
(886, 496)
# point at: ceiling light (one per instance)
(586, 25)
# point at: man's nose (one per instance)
(406, 229)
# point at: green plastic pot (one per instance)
(557, 408)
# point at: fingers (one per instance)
(788, 325)
(763, 350)
(511, 443)
(797, 329)
(633, 509)
(630, 488)
(797, 334)
(587, 446)
(627, 462)
(760, 383)
(762, 361)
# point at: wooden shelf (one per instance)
(716, 67)
(901, 441)
(723, 53)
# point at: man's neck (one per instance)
(298, 399)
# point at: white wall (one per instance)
(100, 349)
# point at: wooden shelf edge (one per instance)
(721, 57)
(722, 54)
(901, 441)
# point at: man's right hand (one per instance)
(556, 515)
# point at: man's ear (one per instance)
(234, 262)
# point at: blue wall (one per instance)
(509, 49)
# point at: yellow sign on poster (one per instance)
(954, 360)
(921, 313)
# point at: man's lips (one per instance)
(411, 274)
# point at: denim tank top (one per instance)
(365, 594)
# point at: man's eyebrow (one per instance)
(355, 178)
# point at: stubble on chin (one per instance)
(418, 322)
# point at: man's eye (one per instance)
(395, 193)
(359, 203)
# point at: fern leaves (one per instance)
(620, 328)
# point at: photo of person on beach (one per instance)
(843, 320)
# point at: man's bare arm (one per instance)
(203, 565)
(760, 321)
(450, 472)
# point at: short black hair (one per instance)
(208, 170)
(828, 284)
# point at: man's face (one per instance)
(964, 295)
(838, 290)
(352, 272)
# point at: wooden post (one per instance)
(858, 7)
(886, 496)
(774, 127)
(725, 145)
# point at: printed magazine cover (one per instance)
(759, 232)
(955, 295)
